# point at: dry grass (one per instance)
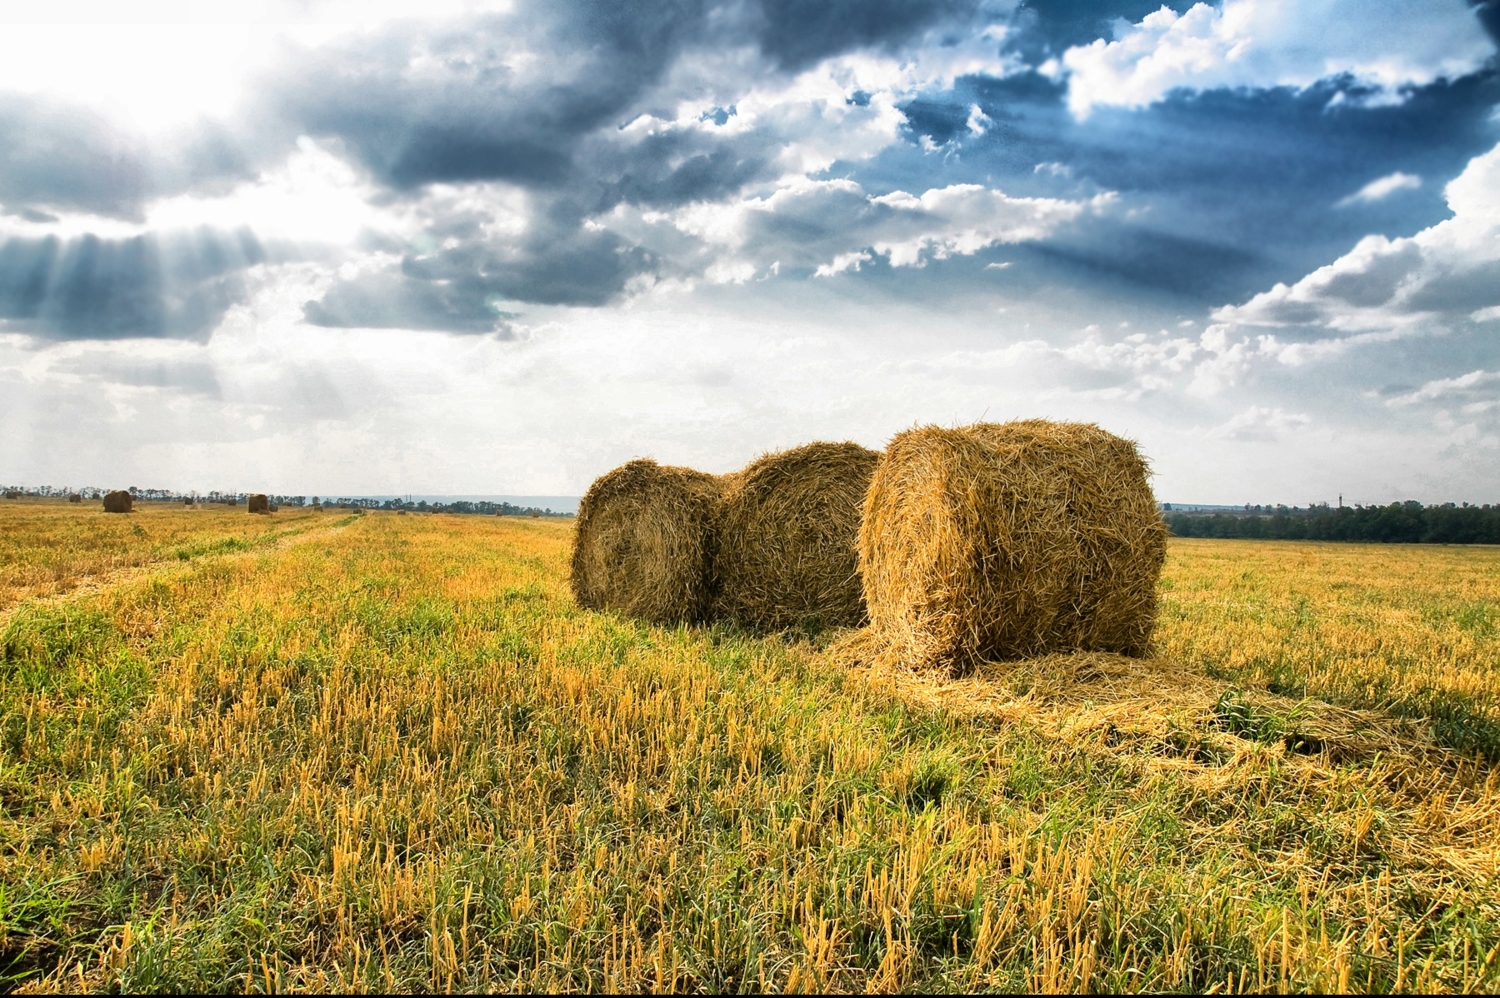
(49, 547)
(787, 537)
(997, 541)
(396, 756)
(1411, 631)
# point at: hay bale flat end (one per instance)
(644, 542)
(1001, 541)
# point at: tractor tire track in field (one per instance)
(106, 581)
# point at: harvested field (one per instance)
(788, 536)
(1415, 632)
(49, 547)
(394, 755)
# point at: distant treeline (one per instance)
(153, 495)
(238, 498)
(1398, 523)
(462, 506)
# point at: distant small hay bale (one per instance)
(788, 538)
(119, 501)
(536, 513)
(257, 503)
(187, 500)
(75, 497)
(273, 507)
(1000, 541)
(12, 494)
(644, 542)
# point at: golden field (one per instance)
(49, 547)
(385, 752)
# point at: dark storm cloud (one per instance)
(457, 290)
(146, 286)
(469, 117)
(799, 33)
(675, 168)
(1230, 190)
(58, 156)
(1488, 12)
(1222, 192)
(535, 98)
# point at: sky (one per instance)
(459, 247)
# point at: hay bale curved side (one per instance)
(999, 541)
(788, 538)
(644, 542)
(257, 503)
(119, 501)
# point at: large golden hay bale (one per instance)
(999, 541)
(644, 542)
(788, 538)
(118, 501)
(257, 503)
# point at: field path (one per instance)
(94, 585)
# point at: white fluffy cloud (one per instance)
(1381, 188)
(133, 60)
(1443, 275)
(834, 226)
(1385, 44)
(1383, 289)
(1260, 423)
(1474, 391)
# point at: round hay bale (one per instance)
(187, 500)
(999, 541)
(644, 542)
(75, 497)
(257, 503)
(788, 538)
(119, 501)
